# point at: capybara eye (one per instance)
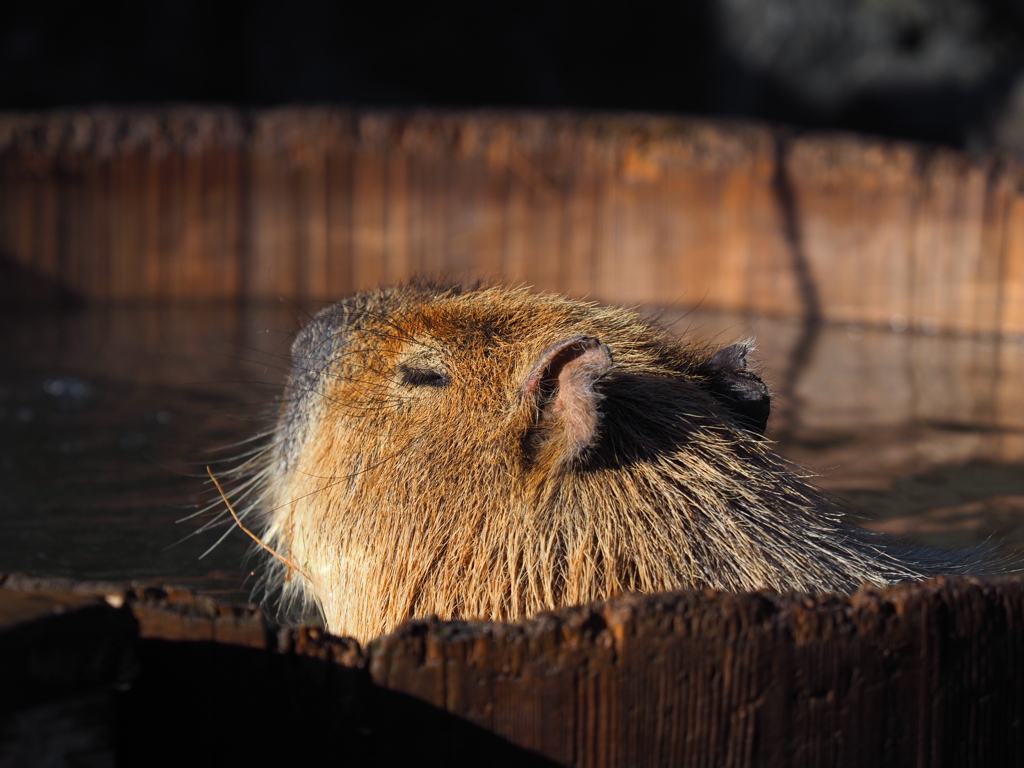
(422, 377)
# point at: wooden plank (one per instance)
(997, 199)
(313, 255)
(435, 176)
(83, 165)
(313, 249)
(174, 207)
(220, 217)
(543, 167)
(735, 241)
(631, 268)
(77, 163)
(428, 138)
(773, 285)
(44, 195)
(152, 211)
(132, 140)
(196, 271)
(22, 157)
(518, 216)
(419, 168)
(496, 181)
(369, 183)
(1012, 277)
(270, 269)
(857, 203)
(338, 162)
(699, 184)
(580, 215)
(469, 250)
(949, 262)
(608, 231)
(398, 257)
(96, 267)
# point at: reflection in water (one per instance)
(952, 505)
(923, 434)
(108, 416)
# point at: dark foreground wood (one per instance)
(929, 674)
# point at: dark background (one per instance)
(949, 71)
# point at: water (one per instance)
(922, 434)
(109, 415)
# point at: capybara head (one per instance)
(491, 453)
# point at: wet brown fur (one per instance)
(490, 453)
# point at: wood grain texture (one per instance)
(925, 674)
(918, 675)
(316, 202)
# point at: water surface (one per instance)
(108, 416)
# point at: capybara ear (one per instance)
(737, 387)
(562, 384)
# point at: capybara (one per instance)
(487, 453)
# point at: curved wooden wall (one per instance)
(185, 203)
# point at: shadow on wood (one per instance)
(84, 684)
(929, 673)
